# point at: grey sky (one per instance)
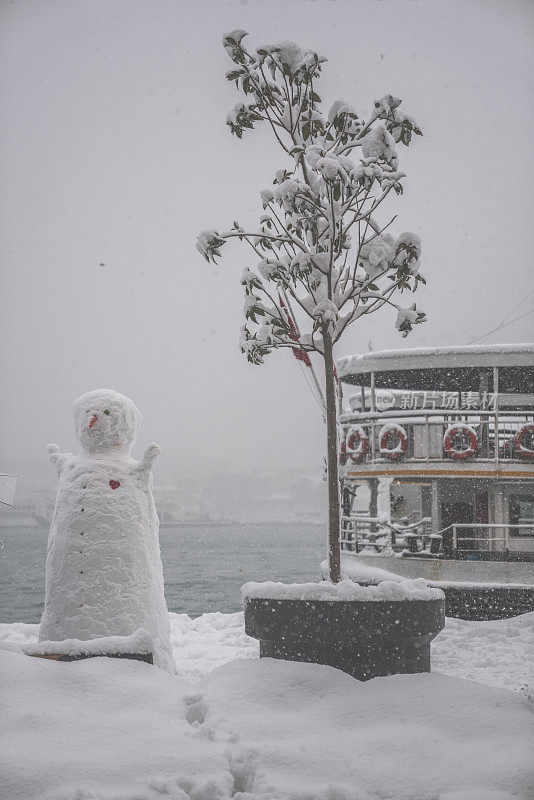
(115, 152)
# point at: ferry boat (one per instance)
(440, 443)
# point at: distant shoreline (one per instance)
(227, 523)
(31, 522)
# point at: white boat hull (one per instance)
(443, 570)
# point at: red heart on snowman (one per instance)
(114, 484)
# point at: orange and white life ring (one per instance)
(524, 432)
(384, 437)
(466, 434)
(356, 443)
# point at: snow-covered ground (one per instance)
(496, 653)
(229, 725)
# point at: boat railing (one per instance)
(474, 542)
(360, 531)
(425, 431)
(459, 540)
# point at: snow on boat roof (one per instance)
(442, 367)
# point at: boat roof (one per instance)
(443, 368)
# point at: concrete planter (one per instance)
(366, 639)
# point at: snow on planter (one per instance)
(104, 576)
(344, 591)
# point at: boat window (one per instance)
(522, 513)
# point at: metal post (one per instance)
(501, 513)
(373, 504)
(483, 390)
(454, 538)
(496, 417)
(435, 509)
(373, 410)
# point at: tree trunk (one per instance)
(334, 526)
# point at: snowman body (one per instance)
(104, 575)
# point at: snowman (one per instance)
(103, 571)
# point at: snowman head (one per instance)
(105, 420)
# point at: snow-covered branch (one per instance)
(305, 241)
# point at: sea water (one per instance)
(204, 564)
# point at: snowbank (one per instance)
(209, 641)
(497, 652)
(106, 729)
(390, 738)
(199, 645)
(345, 590)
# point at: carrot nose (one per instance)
(92, 420)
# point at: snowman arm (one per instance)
(58, 459)
(152, 451)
